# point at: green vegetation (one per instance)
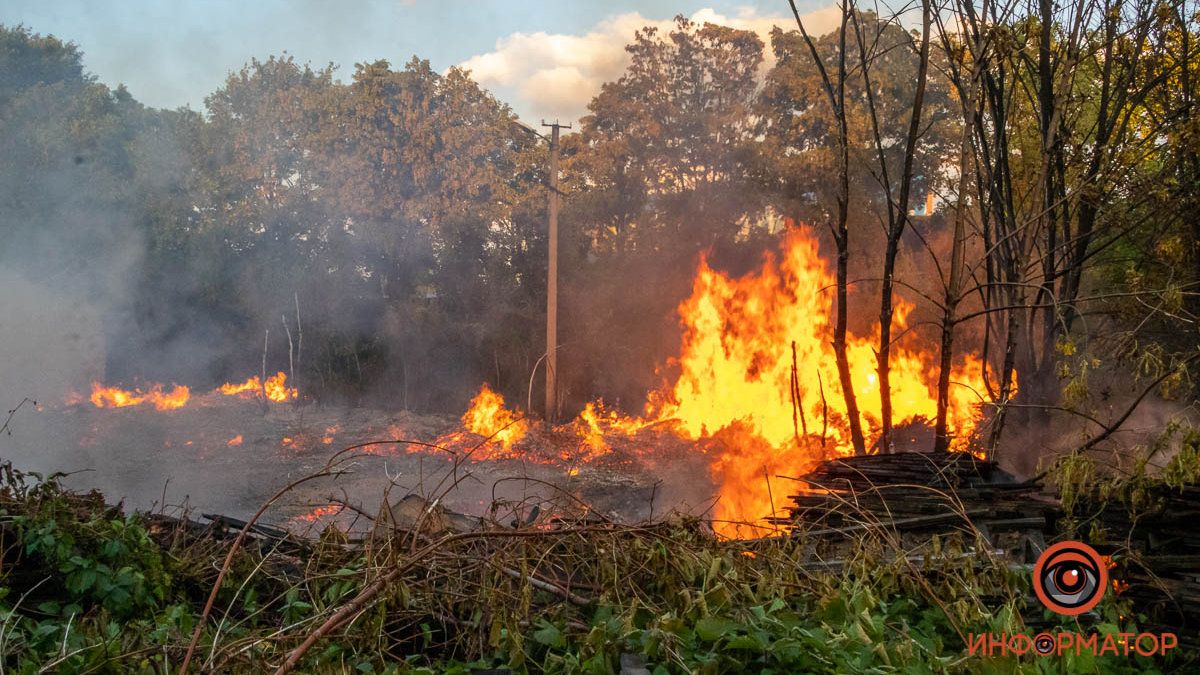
(84, 588)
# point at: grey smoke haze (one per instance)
(64, 275)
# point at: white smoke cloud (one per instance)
(550, 76)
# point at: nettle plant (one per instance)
(99, 557)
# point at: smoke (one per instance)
(66, 272)
(51, 341)
(1036, 438)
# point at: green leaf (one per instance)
(750, 642)
(548, 634)
(713, 628)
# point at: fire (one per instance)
(177, 396)
(750, 345)
(248, 388)
(235, 441)
(594, 424)
(275, 388)
(587, 425)
(320, 512)
(735, 377)
(488, 417)
(734, 391)
(156, 395)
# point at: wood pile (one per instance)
(1157, 549)
(917, 495)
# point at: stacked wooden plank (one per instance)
(916, 495)
(1156, 545)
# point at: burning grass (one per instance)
(156, 395)
(756, 391)
(163, 398)
(85, 587)
(757, 382)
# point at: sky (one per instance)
(546, 59)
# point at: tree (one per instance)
(668, 143)
(834, 88)
(28, 60)
(1063, 145)
(662, 169)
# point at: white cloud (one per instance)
(550, 76)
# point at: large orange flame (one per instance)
(488, 417)
(736, 359)
(735, 377)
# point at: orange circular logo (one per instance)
(1070, 578)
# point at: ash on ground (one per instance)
(228, 457)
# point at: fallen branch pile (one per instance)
(527, 586)
(916, 496)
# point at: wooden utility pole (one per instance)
(552, 280)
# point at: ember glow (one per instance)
(320, 512)
(156, 395)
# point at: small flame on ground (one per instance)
(235, 441)
(156, 395)
(587, 425)
(275, 388)
(178, 396)
(595, 423)
(248, 388)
